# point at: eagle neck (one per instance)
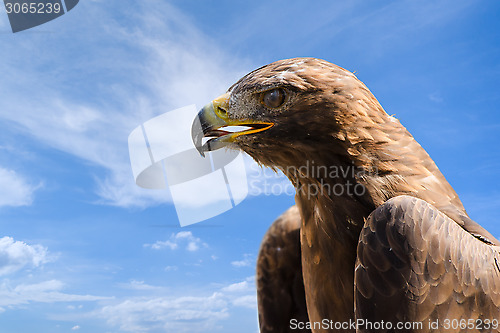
(328, 188)
(332, 219)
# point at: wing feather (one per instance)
(280, 287)
(444, 271)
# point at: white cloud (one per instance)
(15, 255)
(247, 301)
(182, 313)
(242, 294)
(75, 328)
(43, 292)
(241, 263)
(163, 244)
(14, 189)
(138, 285)
(182, 238)
(50, 285)
(171, 268)
(245, 262)
(192, 246)
(239, 286)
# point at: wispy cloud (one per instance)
(239, 286)
(183, 314)
(242, 294)
(139, 285)
(16, 256)
(183, 239)
(90, 113)
(436, 97)
(43, 292)
(171, 268)
(199, 313)
(15, 190)
(245, 262)
(247, 301)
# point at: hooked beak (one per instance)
(213, 122)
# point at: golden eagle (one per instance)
(385, 243)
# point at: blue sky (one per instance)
(82, 248)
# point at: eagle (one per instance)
(378, 240)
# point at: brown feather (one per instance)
(280, 288)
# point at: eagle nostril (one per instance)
(222, 111)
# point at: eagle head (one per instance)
(284, 111)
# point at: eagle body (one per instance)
(384, 238)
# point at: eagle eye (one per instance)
(273, 98)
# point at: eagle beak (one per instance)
(213, 122)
